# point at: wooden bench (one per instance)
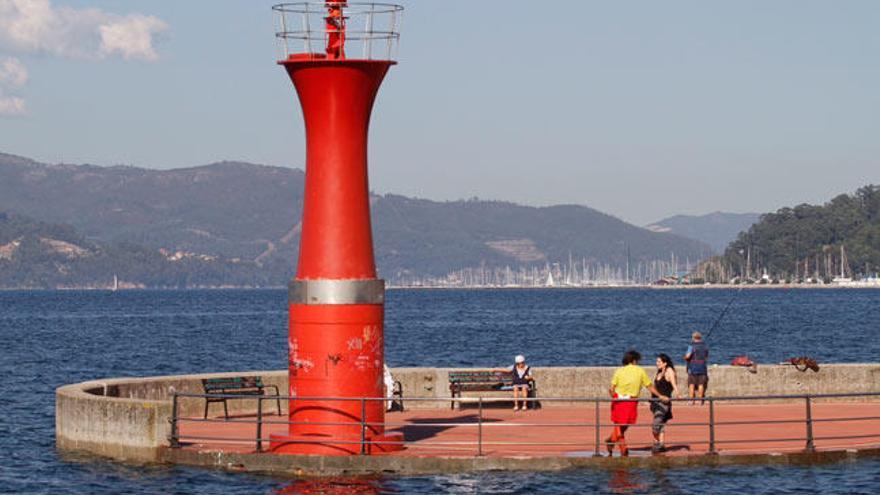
(236, 385)
(483, 381)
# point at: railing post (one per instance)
(259, 424)
(480, 428)
(284, 30)
(597, 450)
(810, 447)
(174, 440)
(712, 426)
(393, 24)
(363, 425)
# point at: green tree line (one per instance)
(806, 243)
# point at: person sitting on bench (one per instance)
(522, 380)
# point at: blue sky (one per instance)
(640, 109)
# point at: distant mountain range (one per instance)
(715, 229)
(243, 220)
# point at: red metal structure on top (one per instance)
(335, 30)
(336, 302)
(369, 31)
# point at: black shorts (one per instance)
(697, 380)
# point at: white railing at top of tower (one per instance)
(372, 30)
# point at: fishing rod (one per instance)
(724, 311)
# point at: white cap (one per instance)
(519, 359)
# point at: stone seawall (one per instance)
(125, 429)
(129, 418)
(724, 381)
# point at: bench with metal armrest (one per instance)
(482, 381)
(236, 385)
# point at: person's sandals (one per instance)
(610, 446)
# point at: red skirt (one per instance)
(624, 412)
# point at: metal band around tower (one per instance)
(371, 291)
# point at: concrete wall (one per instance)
(128, 418)
(161, 389)
(127, 429)
(724, 381)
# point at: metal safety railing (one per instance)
(371, 30)
(593, 407)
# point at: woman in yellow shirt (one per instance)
(626, 385)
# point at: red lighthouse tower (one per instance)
(336, 302)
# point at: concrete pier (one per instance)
(129, 419)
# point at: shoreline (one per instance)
(474, 287)
(645, 286)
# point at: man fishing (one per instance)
(697, 357)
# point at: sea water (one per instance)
(55, 338)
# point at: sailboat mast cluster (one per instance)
(581, 273)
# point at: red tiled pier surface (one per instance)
(506, 433)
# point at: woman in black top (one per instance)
(665, 383)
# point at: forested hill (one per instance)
(39, 255)
(249, 216)
(805, 241)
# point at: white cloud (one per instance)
(131, 37)
(36, 26)
(12, 75)
(11, 105)
(12, 72)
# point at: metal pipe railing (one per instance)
(810, 438)
(712, 426)
(480, 430)
(810, 447)
(371, 23)
(533, 399)
(175, 424)
(260, 425)
(596, 451)
(363, 426)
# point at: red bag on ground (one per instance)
(742, 361)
